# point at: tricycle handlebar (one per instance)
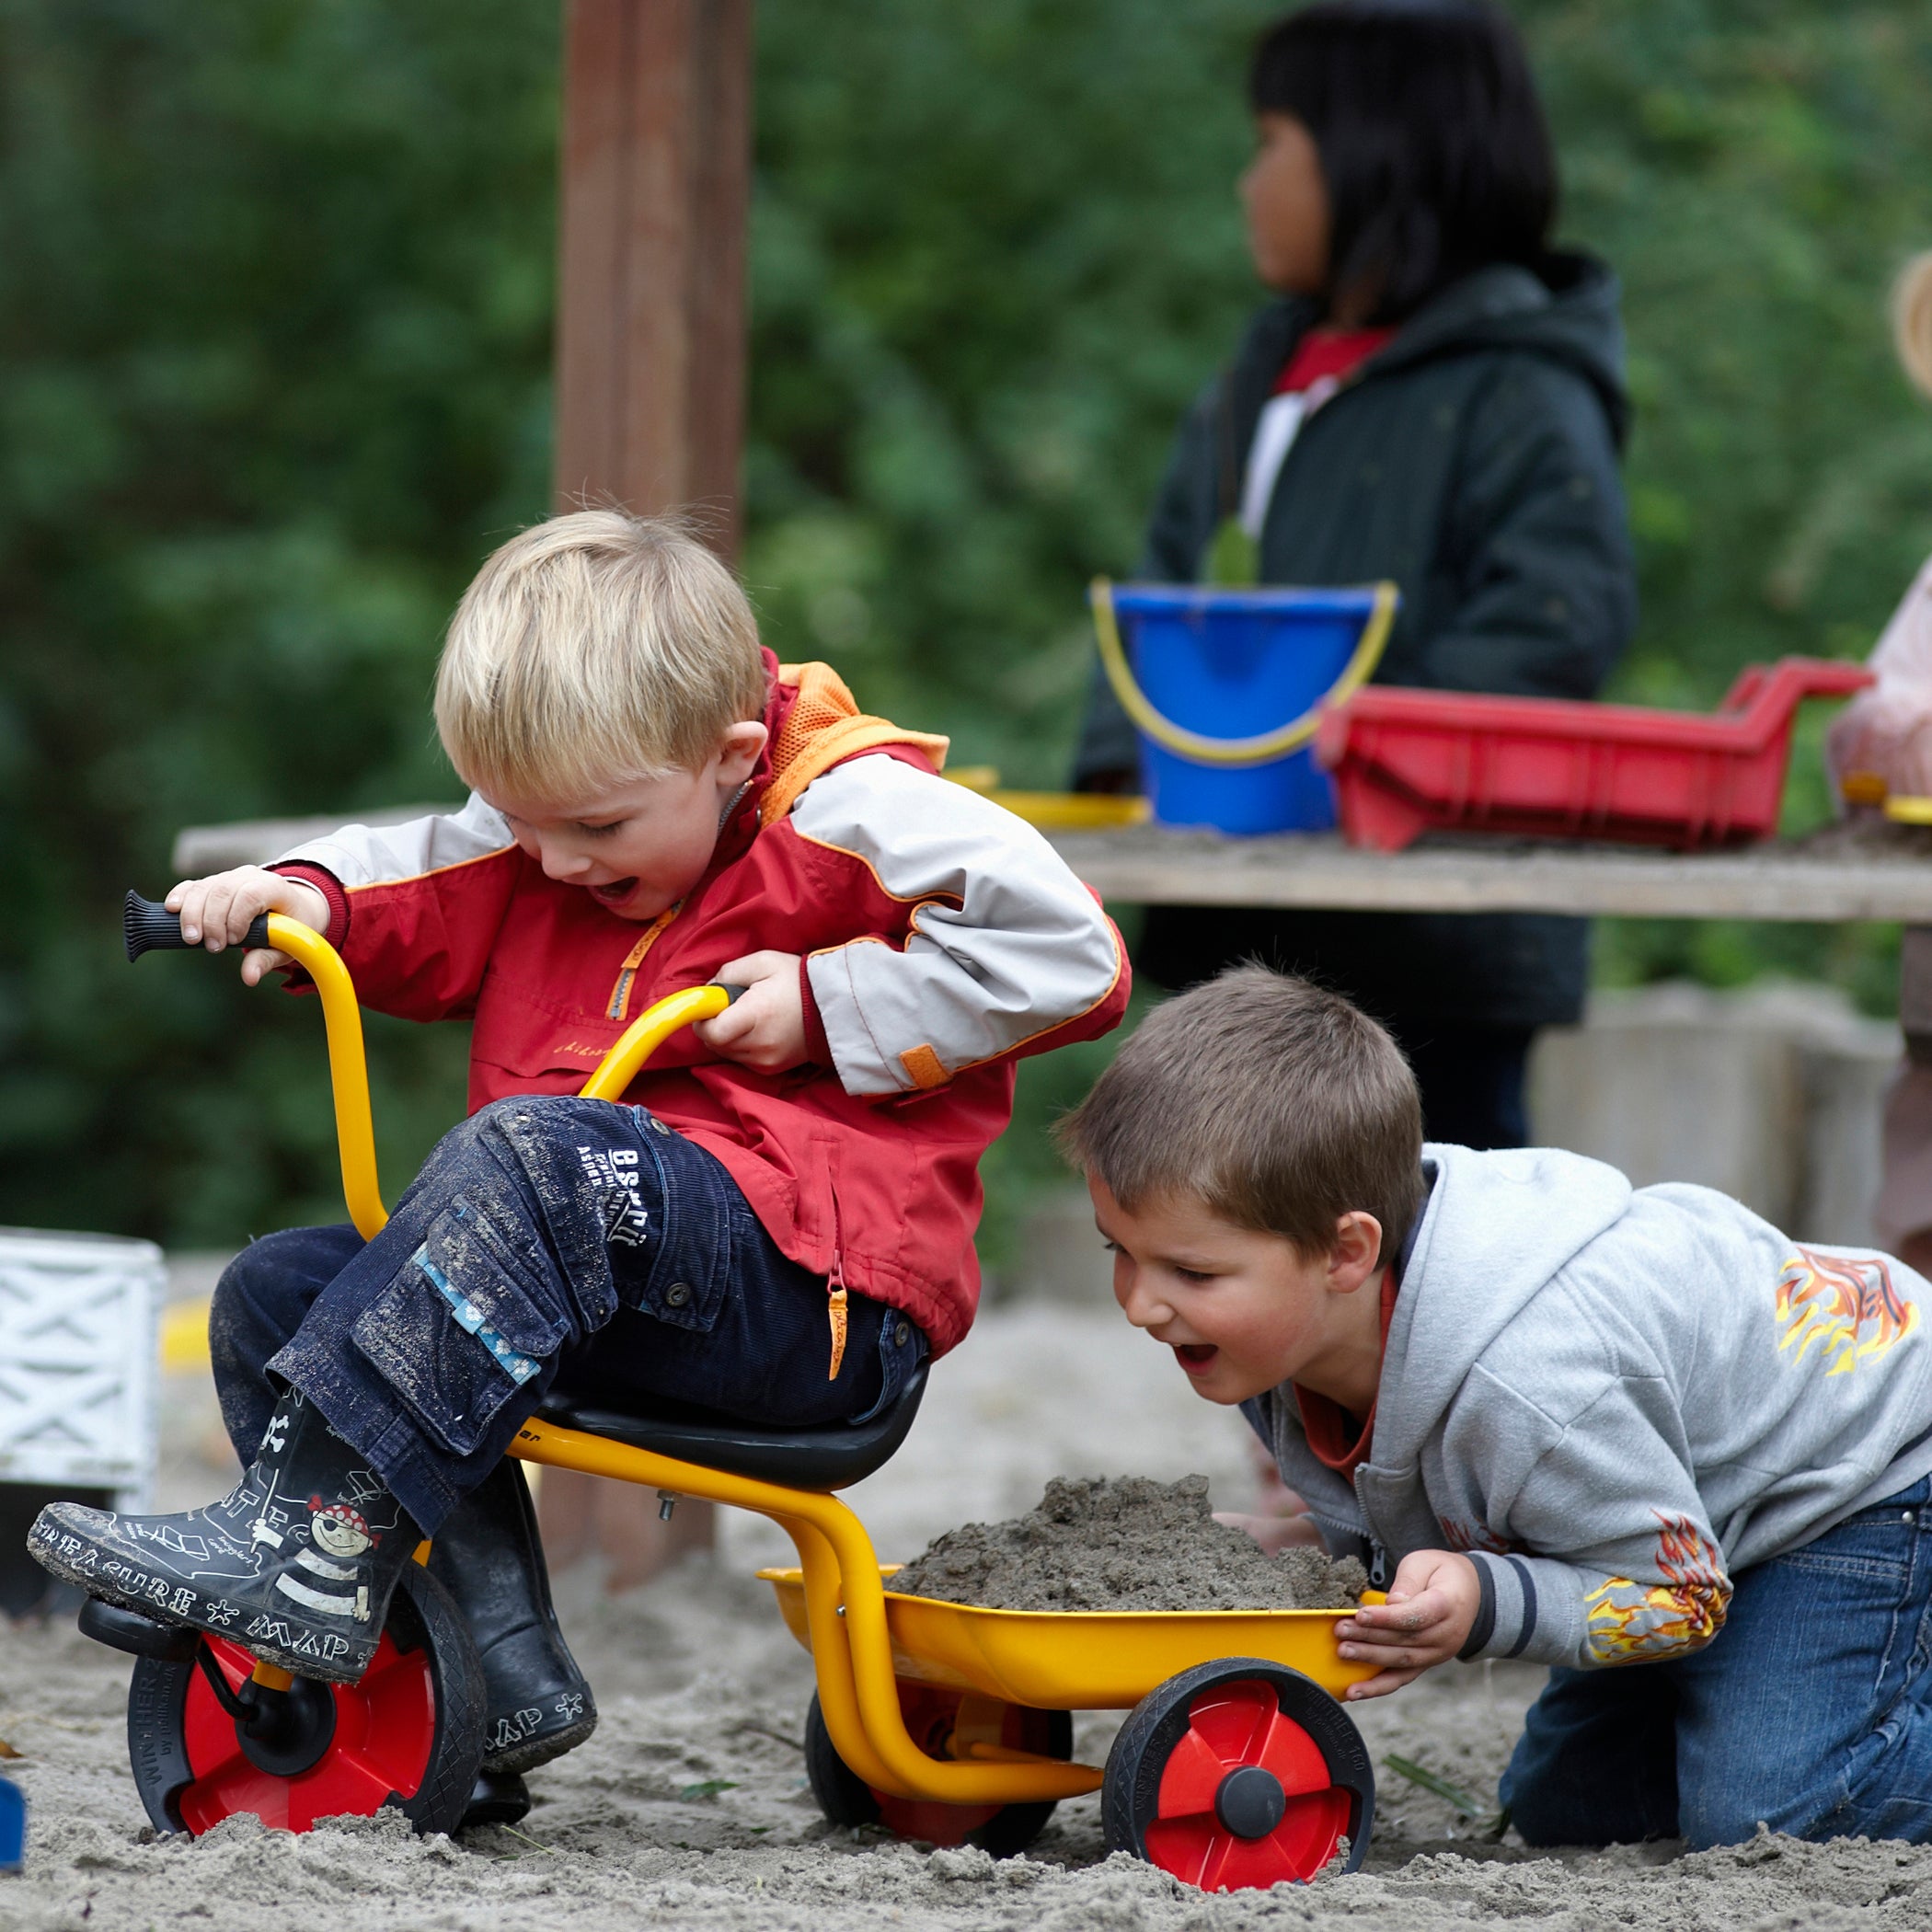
(149, 927)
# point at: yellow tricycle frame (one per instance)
(851, 1648)
(836, 1601)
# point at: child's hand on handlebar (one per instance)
(764, 1027)
(217, 913)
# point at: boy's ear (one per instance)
(1357, 1253)
(738, 749)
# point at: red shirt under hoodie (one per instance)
(1328, 355)
(943, 939)
(1335, 1438)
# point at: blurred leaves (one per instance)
(996, 251)
(1757, 173)
(275, 289)
(274, 333)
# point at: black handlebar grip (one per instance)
(732, 993)
(149, 927)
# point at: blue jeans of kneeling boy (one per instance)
(1810, 1711)
(547, 1243)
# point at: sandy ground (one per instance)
(699, 1682)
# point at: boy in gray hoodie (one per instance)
(1637, 1434)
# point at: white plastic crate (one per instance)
(77, 1349)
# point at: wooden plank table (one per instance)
(1884, 874)
(1836, 874)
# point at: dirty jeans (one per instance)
(1811, 1710)
(572, 1245)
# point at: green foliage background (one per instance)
(275, 285)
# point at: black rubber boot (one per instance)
(488, 1555)
(297, 1563)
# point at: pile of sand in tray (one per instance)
(1127, 1542)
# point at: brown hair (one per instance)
(1280, 1106)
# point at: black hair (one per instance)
(1433, 146)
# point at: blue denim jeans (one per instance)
(1811, 1710)
(547, 1243)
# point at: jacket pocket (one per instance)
(455, 1334)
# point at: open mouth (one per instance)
(616, 893)
(1196, 1357)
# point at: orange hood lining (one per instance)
(824, 726)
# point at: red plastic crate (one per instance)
(1410, 762)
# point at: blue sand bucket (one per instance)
(1226, 689)
(13, 1826)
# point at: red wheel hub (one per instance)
(386, 1728)
(942, 1723)
(1245, 1798)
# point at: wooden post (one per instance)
(656, 185)
(651, 289)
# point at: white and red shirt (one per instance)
(1323, 360)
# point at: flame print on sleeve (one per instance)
(1631, 1622)
(1849, 1306)
(1460, 1535)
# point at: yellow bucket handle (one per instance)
(1268, 745)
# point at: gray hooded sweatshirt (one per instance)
(1613, 1399)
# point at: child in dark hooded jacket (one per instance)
(1436, 397)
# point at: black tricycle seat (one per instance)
(824, 1458)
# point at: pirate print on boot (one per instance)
(297, 1563)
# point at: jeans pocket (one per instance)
(1846, 1604)
(455, 1334)
(685, 1283)
(1850, 1568)
(901, 1347)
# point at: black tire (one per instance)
(843, 1795)
(846, 1797)
(461, 1701)
(1130, 1797)
(423, 1619)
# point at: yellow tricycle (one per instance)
(943, 1722)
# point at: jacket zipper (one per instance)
(1378, 1556)
(835, 1289)
(619, 1006)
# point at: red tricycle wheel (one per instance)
(409, 1733)
(1238, 1773)
(939, 1719)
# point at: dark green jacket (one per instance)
(1473, 460)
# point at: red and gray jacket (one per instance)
(943, 939)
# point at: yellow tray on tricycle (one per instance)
(1081, 1660)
